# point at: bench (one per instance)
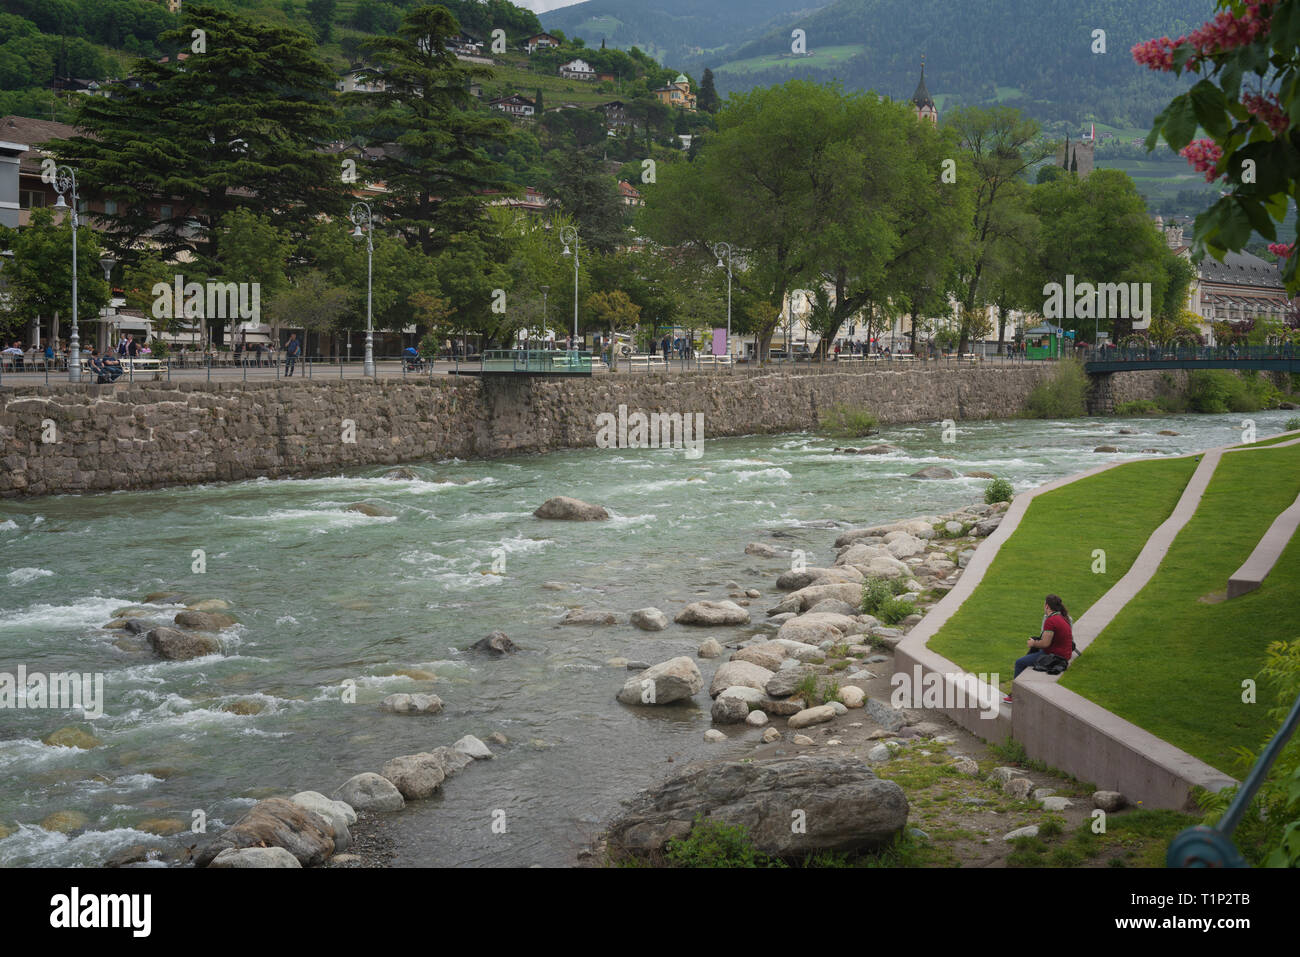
(714, 361)
(645, 362)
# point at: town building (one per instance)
(514, 105)
(539, 41)
(1076, 156)
(629, 194)
(577, 70)
(678, 94)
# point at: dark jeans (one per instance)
(1027, 661)
(288, 364)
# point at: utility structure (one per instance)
(361, 214)
(65, 181)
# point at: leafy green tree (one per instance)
(321, 14)
(590, 195)
(999, 145)
(39, 275)
(613, 311)
(236, 127)
(441, 167)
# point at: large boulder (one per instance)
(370, 792)
(473, 748)
(859, 554)
(712, 613)
(815, 627)
(495, 645)
(203, 620)
(254, 857)
(767, 655)
(785, 683)
(176, 645)
(886, 566)
(934, 472)
(905, 546)
(730, 710)
(793, 580)
(739, 673)
(417, 776)
(650, 619)
(563, 508)
(663, 683)
(276, 822)
(335, 813)
(803, 599)
(810, 716)
(847, 808)
(411, 704)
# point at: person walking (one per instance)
(291, 349)
(666, 345)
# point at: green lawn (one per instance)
(1174, 664)
(1052, 552)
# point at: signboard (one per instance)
(719, 342)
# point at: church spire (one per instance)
(922, 100)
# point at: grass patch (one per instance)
(1138, 407)
(1174, 665)
(877, 591)
(1052, 552)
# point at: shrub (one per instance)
(1138, 407)
(1216, 391)
(1292, 424)
(894, 610)
(1063, 396)
(716, 844)
(998, 490)
(847, 422)
(877, 591)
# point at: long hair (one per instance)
(1054, 602)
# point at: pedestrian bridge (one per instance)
(536, 362)
(1279, 358)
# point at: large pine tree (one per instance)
(437, 167)
(708, 100)
(237, 126)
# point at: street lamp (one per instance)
(541, 335)
(65, 181)
(107, 262)
(719, 250)
(361, 214)
(569, 235)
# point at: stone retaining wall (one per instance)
(80, 438)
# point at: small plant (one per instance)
(829, 691)
(1292, 424)
(807, 689)
(894, 610)
(1063, 396)
(998, 490)
(716, 844)
(1138, 407)
(877, 591)
(1051, 826)
(847, 422)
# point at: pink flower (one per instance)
(1281, 250)
(1157, 54)
(1268, 109)
(1204, 155)
(1227, 31)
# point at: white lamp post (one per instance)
(720, 250)
(65, 181)
(541, 334)
(361, 214)
(569, 235)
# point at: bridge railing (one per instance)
(1184, 353)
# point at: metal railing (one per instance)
(1186, 353)
(1203, 846)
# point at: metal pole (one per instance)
(361, 214)
(65, 181)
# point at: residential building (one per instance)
(678, 94)
(10, 161)
(629, 194)
(539, 41)
(514, 105)
(577, 70)
(353, 81)
(615, 113)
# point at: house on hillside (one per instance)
(678, 94)
(514, 105)
(539, 41)
(629, 194)
(354, 81)
(577, 70)
(466, 44)
(614, 112)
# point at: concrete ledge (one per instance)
(1056, 725)
(1261, 561)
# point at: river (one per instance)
(324, 596)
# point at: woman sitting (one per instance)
(1057, 637)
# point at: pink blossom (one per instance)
(1268, 109)
(1204, 155)
(1281, 250)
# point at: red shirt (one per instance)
(1062, 636)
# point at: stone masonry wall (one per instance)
(66, 438)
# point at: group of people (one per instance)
(671, 346)
(106, 368)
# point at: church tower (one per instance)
(923, 101)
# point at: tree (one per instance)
(590, 195)
(1251, 145)
(311, 303)
(321, 15)
(39, 276)
(236, 127)
(707, 99)
(757, 184)
(440, 169)
(613, 311)
(539, 104)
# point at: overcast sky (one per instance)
(541, 6)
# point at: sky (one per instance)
(542, 6)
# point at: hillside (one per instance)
(675, 31)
